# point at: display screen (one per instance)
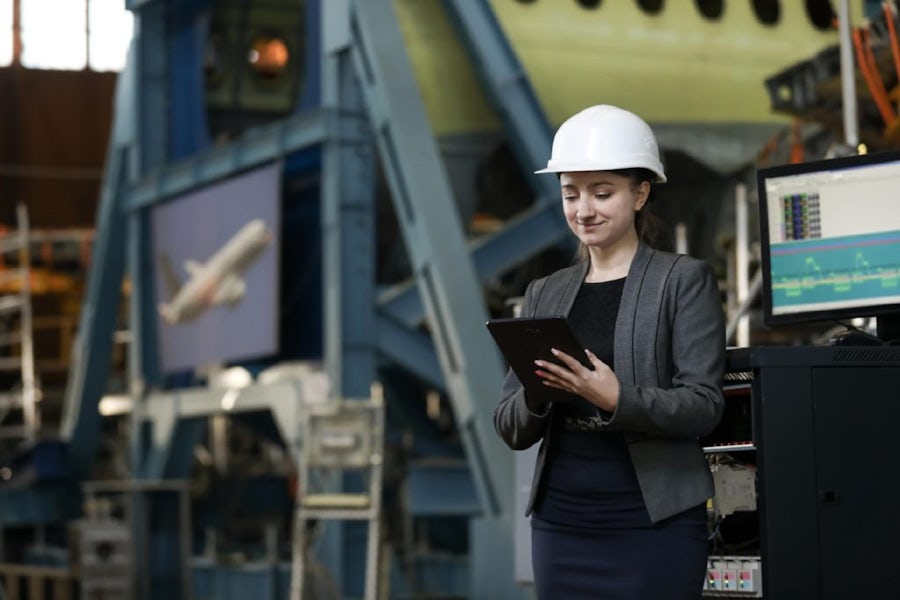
(216, 263)
(830, 238)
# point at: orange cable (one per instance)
(797, 150)
(892, 31)
(862, 63)
(770, 147)
(895, 43)
(885, 108)
(880, 88)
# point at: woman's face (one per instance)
(600, 206)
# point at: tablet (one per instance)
(526, 339)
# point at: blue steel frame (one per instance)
(159, 148)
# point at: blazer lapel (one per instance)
(627, 318)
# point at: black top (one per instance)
(593, 320)
(590, 481)
(593, 317)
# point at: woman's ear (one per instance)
(642, 194)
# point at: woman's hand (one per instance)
(600, 387)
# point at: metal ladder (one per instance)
(17, 342)
(339, 439)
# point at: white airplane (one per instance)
(217, 281)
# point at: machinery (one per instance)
(400, 132)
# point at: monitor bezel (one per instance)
(770, 319)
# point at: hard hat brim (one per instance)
(660, 176)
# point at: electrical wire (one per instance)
(880, 88)
(797, 150)
(881, 101)
(889, 18)
(771, 146)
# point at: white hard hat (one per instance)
(604, 138)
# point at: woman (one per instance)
(618, 500)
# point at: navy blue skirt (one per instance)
(666, 561)
(591, 536)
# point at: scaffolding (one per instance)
(341, 440)
(19, 416)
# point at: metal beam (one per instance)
(530, 135)
(92, 349)
(429, 221)
(507, 85)
(256, 147)
(523, 236)
(412, 349)
(348, 218)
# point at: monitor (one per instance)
(216, 265)
(830, 240)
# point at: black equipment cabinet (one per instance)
(826, 427)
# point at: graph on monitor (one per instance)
(830, 238)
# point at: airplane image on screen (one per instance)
(218, 281)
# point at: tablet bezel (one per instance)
(522, 340)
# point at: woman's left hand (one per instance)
(599, 386)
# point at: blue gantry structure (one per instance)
(357, 109)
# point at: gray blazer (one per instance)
(669, 353)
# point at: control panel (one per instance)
(734, 568)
